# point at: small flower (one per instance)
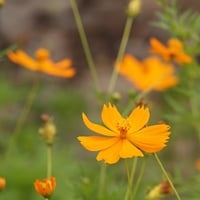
(48, 130)
(2, 183)
(45, 187)
(174, 51)
(43, 63)
(149, 74)
(124, 137)
(159, 191)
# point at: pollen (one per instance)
(123, 128)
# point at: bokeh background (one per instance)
(31, 24)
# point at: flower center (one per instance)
(123, 128)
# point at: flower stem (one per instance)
(130, 176)
(139, 178)
(167, 176)
(49, 161)
(123, 44)
(23, 115)
(102, 179)
(85, 44)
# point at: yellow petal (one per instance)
(97, 128)
(96, 143)
(158, 47)
(128, 150)
(111, 154)
(110, 117)
(174, 43)
(21, 58)
(63, 64)
(138, 118)
(151, 139)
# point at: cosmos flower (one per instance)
(43, 63)
(124, 137)
(45, 187)
(149, 74)
(173, 51)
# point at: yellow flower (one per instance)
(174, 51)
(124, 137)
(43, 63)
(45, 187)
(149, 74)
(2, 183)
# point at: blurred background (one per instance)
(32, 24)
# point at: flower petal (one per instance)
(111, 154)
(151, 139)
(138, 118)
(128, 150)
(97, 128)
(21, 58)
(110, 117)
(158, 48)
(96, 143)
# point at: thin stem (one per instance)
(139, 178)
(85, 44)
(123, 44)
(102, 179)
(130, 180)
(49, 161)
(167, 176)
(23, 115)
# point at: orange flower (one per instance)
(150, 74)
(2, 183)
(45, 187)
(43, 63)
(124, 137)
(173, 51)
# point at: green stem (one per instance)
(130, 180)
(85, 44)
(123, 44)
(167, 176)
(139, 178)
(49, 161)
(102, 179)
(23, 115)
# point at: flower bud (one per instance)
(2, 183)
(159, 190)
(115, 97)
(48, 130)
(45, 187)
(134, 8)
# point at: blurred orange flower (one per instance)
(2, 183)
(43, 63)
(45, 187)
(149, 74)
(124, 137)
(173, 51)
